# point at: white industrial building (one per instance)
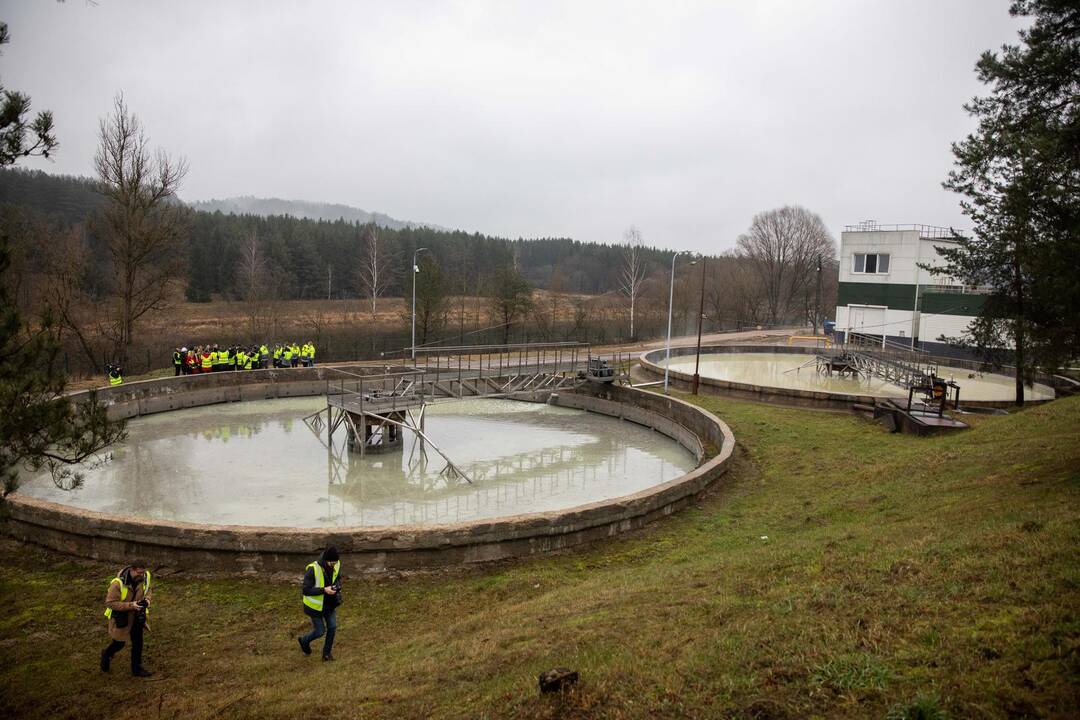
(885, 294)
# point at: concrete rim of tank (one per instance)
(247, 548)
(651, 361)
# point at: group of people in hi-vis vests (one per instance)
(128, 596)
(212, 358)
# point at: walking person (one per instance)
(127, 603)
(322, 595)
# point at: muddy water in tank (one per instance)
(257, 463)
(798, 372)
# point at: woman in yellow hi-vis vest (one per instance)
(322, 595)
(127, 602)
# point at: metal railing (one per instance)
(927, 231)
(892, 362)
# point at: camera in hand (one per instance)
(337, 591)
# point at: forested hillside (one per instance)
(309, 259)
(60, 198)
(470, 288)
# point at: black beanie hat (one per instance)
(330, 554)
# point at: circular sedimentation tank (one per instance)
(221, 472)
(792, 374)
(258, 464)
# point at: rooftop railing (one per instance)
(927, 231)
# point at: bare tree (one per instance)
(65, 260)
(314, 322)
(253, 280)
(432, 300)
(376, 269)
(582, 316)
(510, 298)
(632, 273)
(557, 287)
(783, 245)
(143, 223)
(733, 292)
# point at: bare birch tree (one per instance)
(784, 245)
(143, 223)
(632, 273)
(376, 269)
(253, 280)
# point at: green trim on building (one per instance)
(951, 303)
(896, 296)
(901, 296)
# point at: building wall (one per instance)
(932, 327)
(883, 303)
(906, 252)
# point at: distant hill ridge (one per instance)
(265, 207)
(71, 198)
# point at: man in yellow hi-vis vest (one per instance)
(127, 603)
(322, 595)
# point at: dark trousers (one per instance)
(323, 624)
(177, 374)
(136, 644)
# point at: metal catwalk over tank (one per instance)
(376, 409)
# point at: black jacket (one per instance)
(330, 602)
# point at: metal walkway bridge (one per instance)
(376, 408)
(875, 357)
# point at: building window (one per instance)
(871, 263)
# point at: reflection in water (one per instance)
(798, 372)
(256, 464)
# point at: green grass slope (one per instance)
(839, 571)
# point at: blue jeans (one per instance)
(322, 625)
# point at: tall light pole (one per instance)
(415, 272)
(700, 318)
(818, 316)
(671, 301)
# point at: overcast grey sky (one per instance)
(534, 118)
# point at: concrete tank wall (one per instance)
(652, 360)
(246, 549)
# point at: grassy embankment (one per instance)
(839, 572)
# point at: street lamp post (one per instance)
(416, 270)
(671, 301)
(700, 318)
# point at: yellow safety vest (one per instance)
(205, 360)
(124, 590)
(315, 602)
(115, 379)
